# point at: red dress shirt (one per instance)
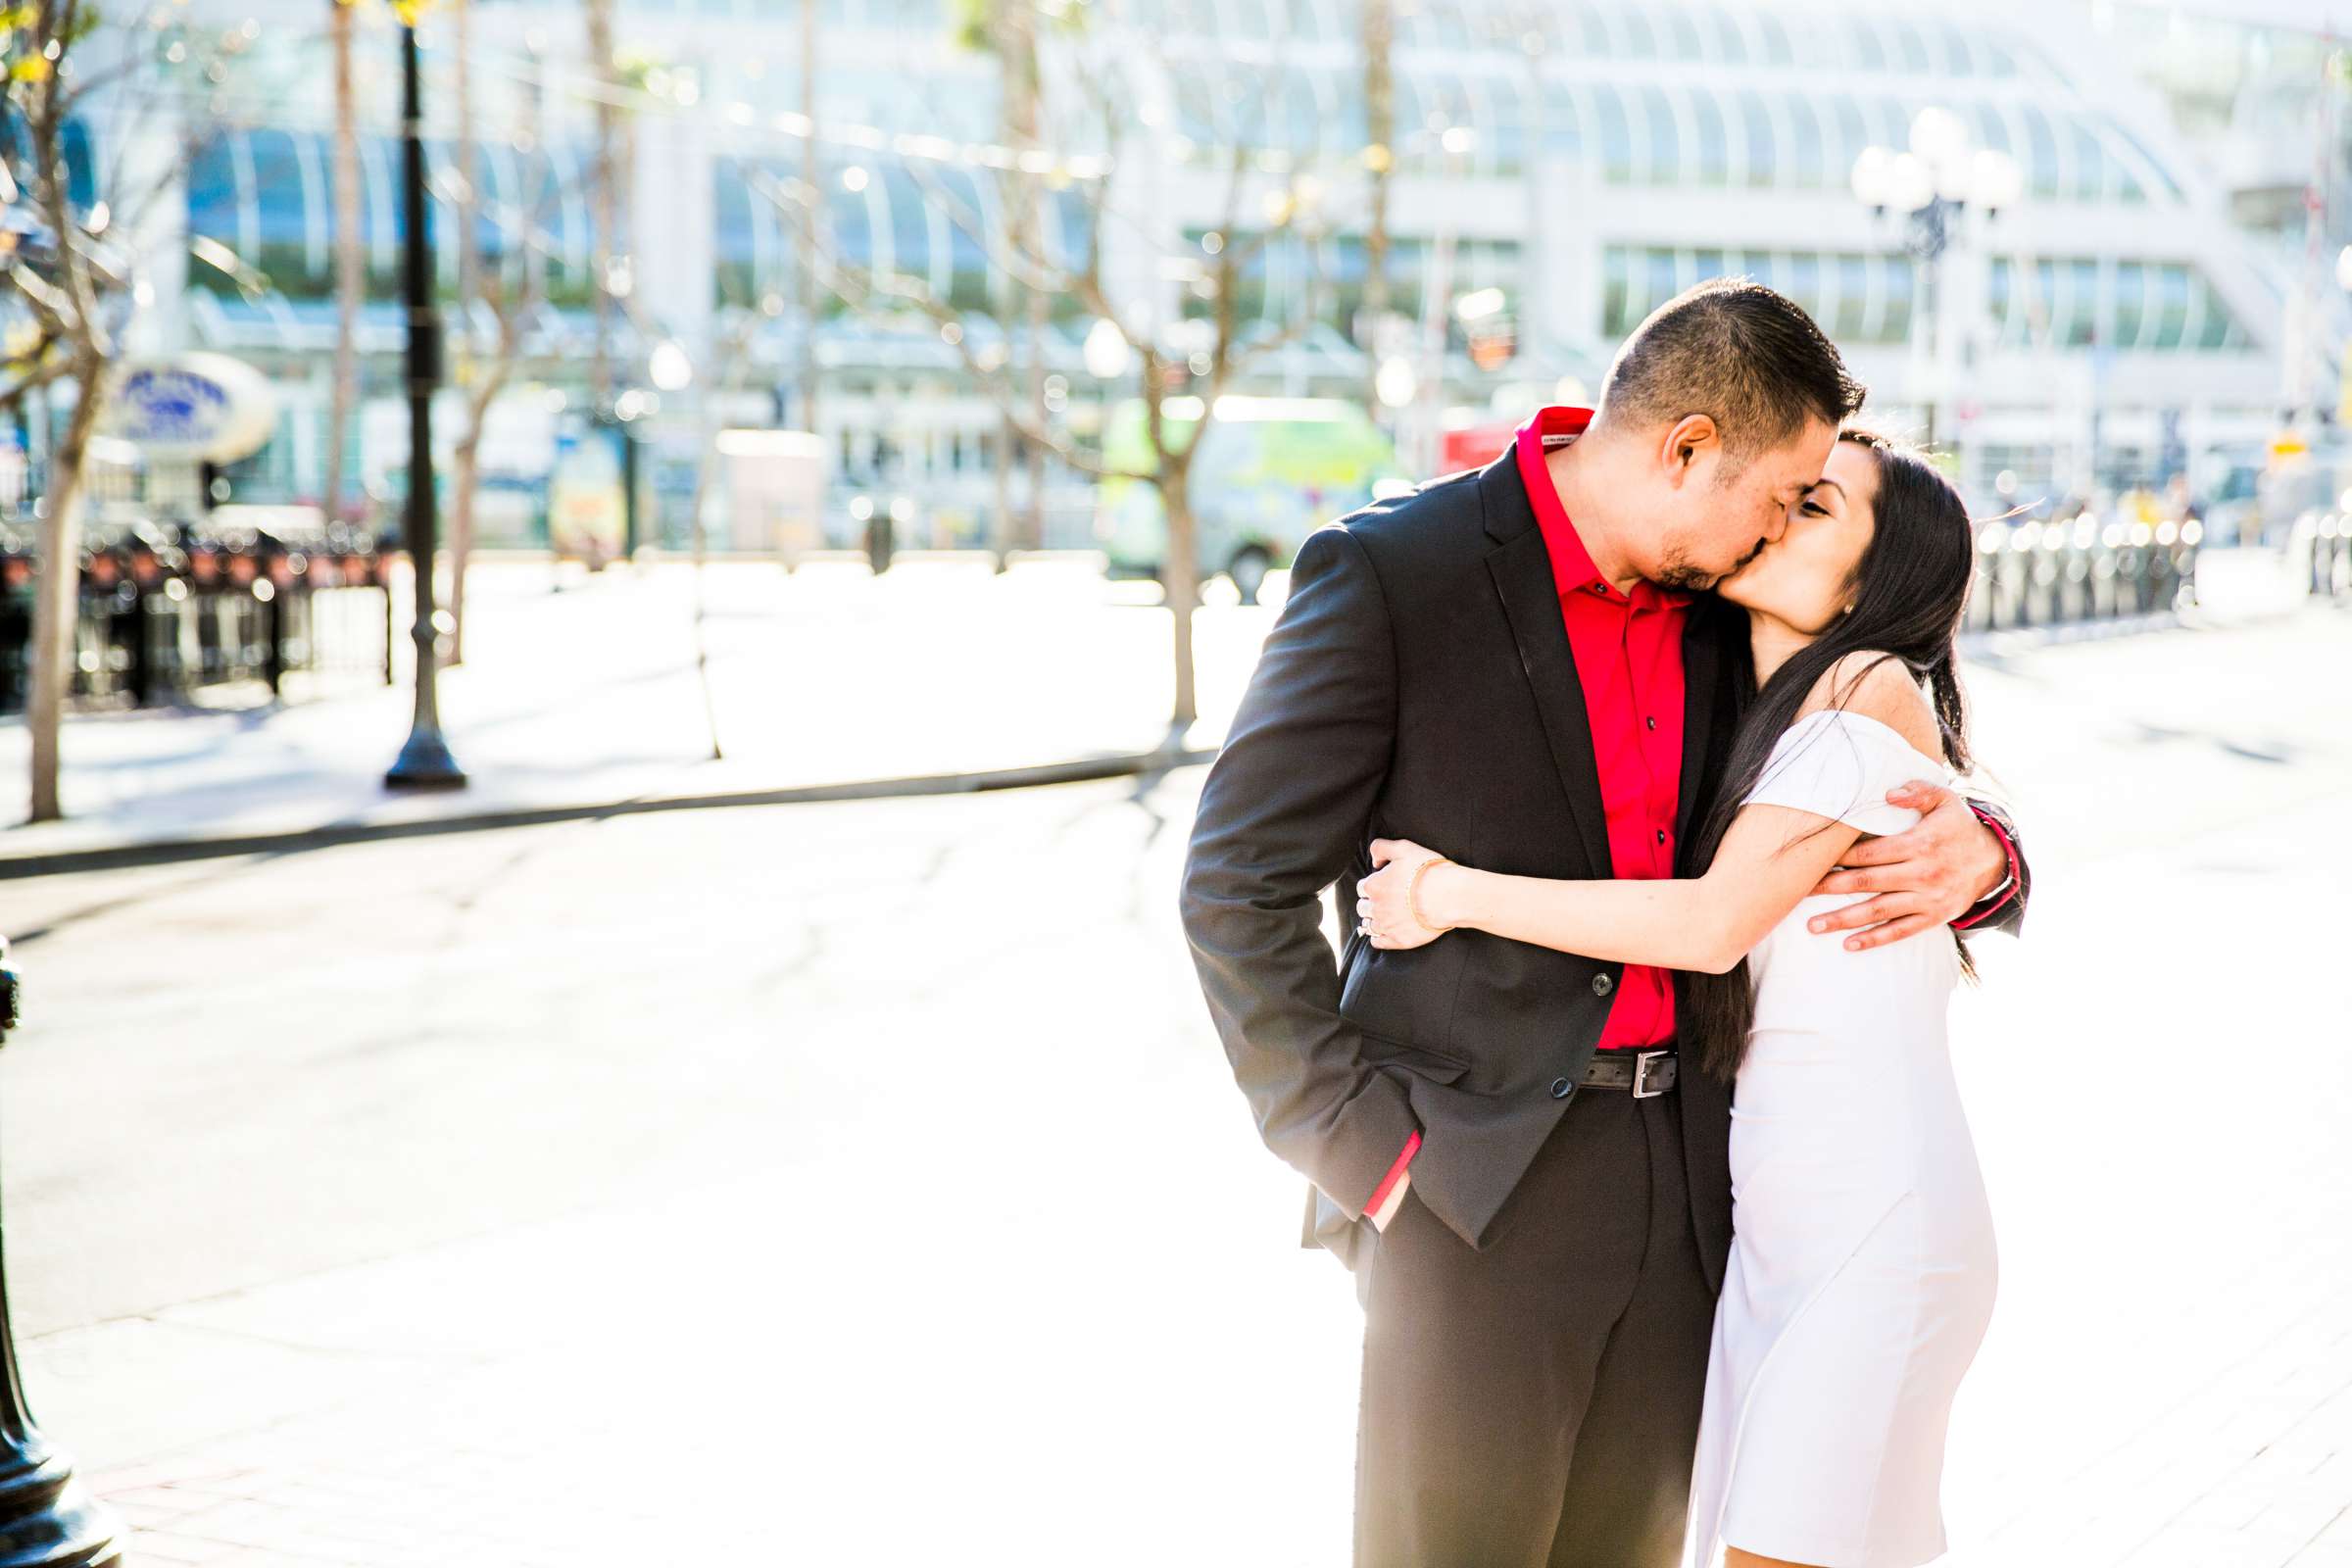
(1629, 662)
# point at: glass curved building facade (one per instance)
(1614, 156)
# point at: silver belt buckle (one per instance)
(1642, 1061)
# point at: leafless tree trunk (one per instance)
(68, 306)
(57, 591)
(467, 475)
(1017, 52)
(603, 197)
(804, 256)
(350, 259)
(1380, 159)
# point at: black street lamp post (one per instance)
(1932, 184)
(48, 1518)
(424, 763)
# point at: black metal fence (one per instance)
(2034, 573)
(168, 608)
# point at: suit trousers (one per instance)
(1534, 1402)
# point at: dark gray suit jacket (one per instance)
(1419, 684)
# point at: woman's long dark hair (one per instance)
(1911, 586)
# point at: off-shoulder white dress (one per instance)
(1862, 1268)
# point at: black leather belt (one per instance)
(1647, 1073)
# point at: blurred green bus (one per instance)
(1269, 470)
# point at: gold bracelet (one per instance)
(1412, 892)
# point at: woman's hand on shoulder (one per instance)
(1384, 900)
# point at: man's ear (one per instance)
(1688, 439)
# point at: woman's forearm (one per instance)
(1672, 924)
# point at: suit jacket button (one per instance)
(1560, 1088)
(1602, 985)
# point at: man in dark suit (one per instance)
(1521, 662)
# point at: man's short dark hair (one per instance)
(1745, 355)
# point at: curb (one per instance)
(167, 851)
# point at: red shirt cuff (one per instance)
(2008, 892)
(1380, 1194)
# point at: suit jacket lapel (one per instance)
(1702, 676)
(1522, 571)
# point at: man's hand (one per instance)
(1925, 877)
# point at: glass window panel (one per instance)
(1661, 281)
(1503, 132)
(1911, 49)
(1616, 135)
(2041, 152)
(1802, 282)
(1806, 157)
(1664, 150)
(1681, 40)
(1196, 105)
(2220, 329)
(1599, 42)
(909, 223)
(730, 216)
(1869, 51)
(1714, 161)
(1849, 133)
(2080, 328)
(212, 182)
(278, 193)
(2000, 300)
(1952, 48)
(2089, 159)
(1775, 38)
(853, 223)
(2172, 306)
(1616, 293)
(1563, 126)
(1899, 279)
(1729, 39)
(1853, 296)
(1987, 124)
(1763, 156)
(2131, 303)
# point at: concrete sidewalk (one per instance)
(581, 694)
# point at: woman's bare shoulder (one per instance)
(1879, 685)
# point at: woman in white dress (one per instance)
(1862, 1269)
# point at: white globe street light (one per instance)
(1930, 184)
(1105, 352)
(1873, 176)
(1396, 384)
(1938, 173)
(669, 368)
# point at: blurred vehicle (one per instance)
(1268, 472)
(2225, 484)
(2293, 485)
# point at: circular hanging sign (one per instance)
(199, 407)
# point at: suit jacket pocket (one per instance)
(1405, 996)
(1438, 1066)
